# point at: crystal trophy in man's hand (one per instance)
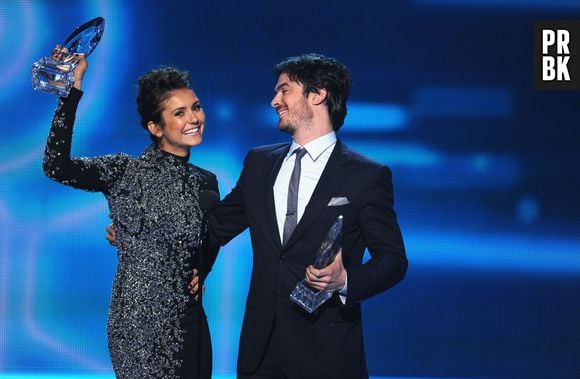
(303, 295)
(54, 74)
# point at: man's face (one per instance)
(292, 107)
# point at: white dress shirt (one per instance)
(314, 161)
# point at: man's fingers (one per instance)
(311, 274)
(327, 278)
(193, 288)
(316, 282)
(194, 282)
(315, 272)
(194, 285)
(314, 276)
(317, 286)
(321, 273)
(111, 238)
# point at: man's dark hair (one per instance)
(154, 88)
(316, 72)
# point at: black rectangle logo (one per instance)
(557, 54)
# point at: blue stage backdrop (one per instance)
(485, 168)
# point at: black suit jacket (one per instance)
(329, 342)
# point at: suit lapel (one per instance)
(270, 206)
(328, 184)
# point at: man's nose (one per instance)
(275, 102)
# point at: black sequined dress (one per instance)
(153, 201)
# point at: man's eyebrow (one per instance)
(279, 86)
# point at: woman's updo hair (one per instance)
(154, 89)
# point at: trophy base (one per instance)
(308, 298)
(52, 76)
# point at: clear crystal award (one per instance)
(55, 75)
(303, 295)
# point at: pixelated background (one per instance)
(485, 168)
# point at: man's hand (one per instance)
(194, 285)
(111, 236)
(330, 278)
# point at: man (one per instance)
(279, 339)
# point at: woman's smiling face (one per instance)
(183, 122)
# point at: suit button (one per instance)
(282, 258)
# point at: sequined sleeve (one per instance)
(92, 174)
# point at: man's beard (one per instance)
(287, 127)
(304, 118)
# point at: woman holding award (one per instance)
(155, 325)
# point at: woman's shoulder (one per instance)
(208, 178)
(205, 174)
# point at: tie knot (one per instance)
(300, 152)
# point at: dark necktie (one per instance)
(292, 208)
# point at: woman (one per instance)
(153, 326)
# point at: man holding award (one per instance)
(312, 207)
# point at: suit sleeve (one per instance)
(230, 219)
(209, 250)
(388, 263)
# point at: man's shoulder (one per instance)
(358, 159)
(269, 150)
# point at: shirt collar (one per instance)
(316, 147)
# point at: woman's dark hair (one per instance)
(154, 88)
(316, 72)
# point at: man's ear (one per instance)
(319, 97)
(154, 129)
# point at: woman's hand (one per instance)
(61, 54)
(80, 69)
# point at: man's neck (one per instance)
(304, 142)
(303, 136)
